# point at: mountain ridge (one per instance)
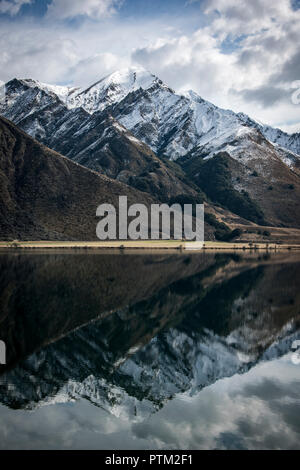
(149, 123)
(120, 83)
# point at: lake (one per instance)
(150, 350)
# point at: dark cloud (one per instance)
(230, 441)
(266, 95)
(270, 389)
(290, 71)
(256, 410)
(250, 57)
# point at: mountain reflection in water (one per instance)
(139, 335)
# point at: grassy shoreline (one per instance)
(146, 244)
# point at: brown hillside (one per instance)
(46, 196)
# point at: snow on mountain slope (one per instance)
(206, 118)
(169, 123)
(110, 148)
(169, 108)
(111, 89)
(96, 141)
(19, 87)
(63, 92)
(275, 135)
(32, 106)
(174, 126)
(146, 379)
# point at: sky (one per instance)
(239, 54)
(255, 410)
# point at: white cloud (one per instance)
(252, 74)
(34, 52)
(62, 9)
(96, 66)
(193, 61)
(245, 59)
(255, 410)
(54, 53)
(243, 17)
(12, 7)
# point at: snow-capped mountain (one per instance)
(275, 135)
(97, 141)
(206, 117)
(170, 123)
(187, 129)
(111, 89)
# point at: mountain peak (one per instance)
(112, 88)
(61, 91)
(201, 120)
(128, 78)
(133, 73)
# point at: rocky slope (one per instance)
(98, 142)
(170, 123)
(277, 136)
(112, 125)
(47, 196)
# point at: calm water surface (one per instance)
(152, 350)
